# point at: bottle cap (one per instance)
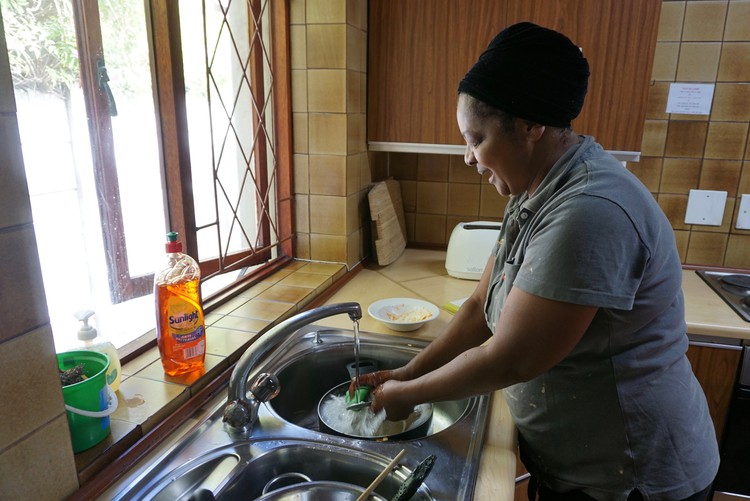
(173, 245)
(86, 332)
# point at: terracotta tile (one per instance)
(301, 173)
(15, 208)
(328, 175)
(649, 171)
(298, 47)
(326, 91)
(685, 139)
(459, 172)
(665, 61)
(731, 102)
(326, 11)
(737, 27)
(432, 167)
(41, 465)
(145, 401)
(432, 198)
(670, 21)
(726, 140)
(682, 237)
(491, 203)
(326, 46)
(737, 255)
(698, 61)
(654, 137)
(356, 133)
(23, 306)
(354, 52)
(299, 91)
(706, 249)
(328, 134)
(704, 21)
(735, 62)
(299, 126)
(259, 310)
(403, 165)
(720, 175)
(29, 385)
(430, 229)
(680, 175)
(327, 215)
(463, 199)
(656, 108)
(331, 248)
(674, 207)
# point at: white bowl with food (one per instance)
(402, 313)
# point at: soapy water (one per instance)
(364, 422)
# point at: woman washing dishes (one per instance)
(579, 313)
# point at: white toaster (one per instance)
(469, 248)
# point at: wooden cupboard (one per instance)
(420, 49)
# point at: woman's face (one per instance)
(506, 155)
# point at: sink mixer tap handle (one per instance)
(265, 387)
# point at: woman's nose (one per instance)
(469, 157)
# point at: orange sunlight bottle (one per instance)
(180, 326)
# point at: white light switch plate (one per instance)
(705, 207)
(743, 216)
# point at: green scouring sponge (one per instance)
(359, 397)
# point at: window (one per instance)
(130, 130)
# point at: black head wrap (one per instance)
(532, 73)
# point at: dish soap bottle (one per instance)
(180, 325)
(88, 334)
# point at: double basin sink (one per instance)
(287, 444)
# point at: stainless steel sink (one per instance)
(237, 464)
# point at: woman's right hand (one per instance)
(373, 379)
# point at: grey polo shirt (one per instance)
(623, 410)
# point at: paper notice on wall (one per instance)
(690, 99)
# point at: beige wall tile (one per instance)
(261, 310)
(735, 62)
(356, 134)
(41, 465)
(29, 385)
(298, 47)
(299, 133)
(302, 213)
(706, 249)
(704, 21)
(328, 175)
(654, 137)
(685, 139)
(356, 13)
(288, 293)
(297, 10)
(665, 61)
(403, 165)
(326, 91)
(354, 41)
(328, 133)
(302, 245)
(326, 11)
(698, 62)
(365, 172)
(726, 140)
(326, 46)
(23, 306)
(409, 195)
(146, 401)
(430, 229)
(327, 215)
(301, 173)
(680, 175)
(674, 207)
(731, 102)
(656, 108)
(377, 162)
(720, 175)
(331, 248)
(432, 167)
(744, 184)
(299, 91)
(682, 237)
(226, 342)
(357, 206)
(491, 203)
(432, 198)
(354, 102)
(15, 208)
(737, 26)
(463, 199)
(354, 171)
(670, 21)
(459, 172)
(356, 243)
(737, 254)
(648, 170)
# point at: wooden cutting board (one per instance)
(389, 225)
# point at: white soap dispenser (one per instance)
(87, 334)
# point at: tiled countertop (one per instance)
(146, 394)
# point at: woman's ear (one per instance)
(534, 131)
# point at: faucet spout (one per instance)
(242, 411)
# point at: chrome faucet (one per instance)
(241, 410)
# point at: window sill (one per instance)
(147, 396)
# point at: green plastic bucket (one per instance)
(89, 403)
